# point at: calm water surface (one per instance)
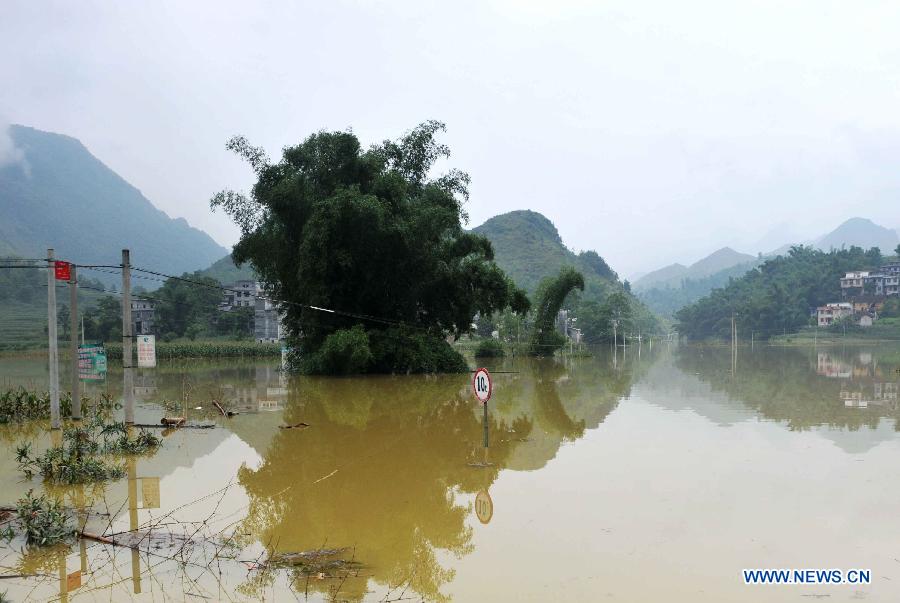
(651, 476)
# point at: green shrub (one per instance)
(489, 348)
(344, 352)
(45, 521)
(79, 459)
(402, 350)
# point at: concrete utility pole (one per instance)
(73, 341)
(127, 338)
(51, 339)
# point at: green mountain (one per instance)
(59, 195)
(226, 272)
(528, 248)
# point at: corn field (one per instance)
(205, 349)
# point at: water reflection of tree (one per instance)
(392, 458)
(783, 384)
(382, 464)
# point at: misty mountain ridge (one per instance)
(673, 274)
(60, 196)
(672, 287)
(859, 232)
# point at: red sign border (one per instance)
(490, 384)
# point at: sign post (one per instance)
(482, 385)
(91, 362)
(146, 351)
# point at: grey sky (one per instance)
(652, 132)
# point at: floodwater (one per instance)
(657, 475)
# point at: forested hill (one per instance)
(226, 272)
(777, 296)
(528, 248)
(61, 196)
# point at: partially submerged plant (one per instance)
(20, 405)
(66, 465)
(44, 520)
(80, 457)
(116, 440)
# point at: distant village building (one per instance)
(143, 317)
(566, 326)
(826, 315)
(866, 320)
(882, 284)
(241, 294)
(267, 320)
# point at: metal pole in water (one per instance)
(51, 340)
(73, 341)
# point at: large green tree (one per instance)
(350, 237)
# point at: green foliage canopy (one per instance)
(545, 339)
(369, 234)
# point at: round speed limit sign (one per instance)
(481, 384)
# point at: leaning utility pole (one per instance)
(51, 340)
(128, 375)
(73, 341)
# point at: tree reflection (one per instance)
(804, 387)
(385, 459)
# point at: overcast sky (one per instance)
(652, 132)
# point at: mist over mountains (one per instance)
(55, 193)
(668, 289)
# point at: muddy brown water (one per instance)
(657, 475)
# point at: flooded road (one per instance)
(651, 477)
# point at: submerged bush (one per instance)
(344, 352)
(403, 350)
(489, 348)
(79, 459)
(44, 520)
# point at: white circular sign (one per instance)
(481, 384)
